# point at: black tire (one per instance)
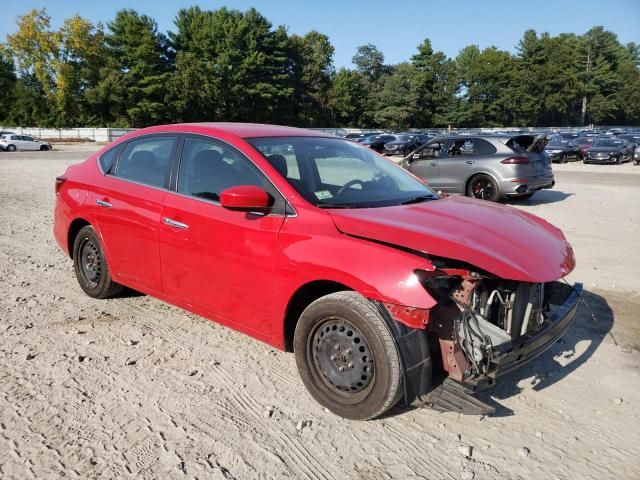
(327, 334)
(483, 187)
(636, 162)
(91, 266)
(619, 160)
(526, 196)
(563, 158)
(11, 148)
(43, 148)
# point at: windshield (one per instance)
(404, 138)
(607, 143)
(334, 173)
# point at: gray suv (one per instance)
(489, 167)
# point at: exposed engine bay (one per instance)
(480, 319)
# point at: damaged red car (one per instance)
(321, 247)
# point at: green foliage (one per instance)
(229, 65)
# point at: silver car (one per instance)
(490, 167)
(11, 142)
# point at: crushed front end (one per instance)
(487, 326)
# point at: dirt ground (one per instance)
(135, 388)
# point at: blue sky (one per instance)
(395, 27)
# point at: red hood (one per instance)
(504, 241)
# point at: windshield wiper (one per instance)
(337, 205)
(418, 199)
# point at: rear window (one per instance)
(146, 160)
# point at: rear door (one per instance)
(128, 207)
(216, 259)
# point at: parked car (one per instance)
(332, 252)
(583, 144)
(402, 145)
(484, 166)
(377, 142)
(609, 150)
(359, 137)
(560, 150)
(12, 142)
(613, 131)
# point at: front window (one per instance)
(334, 173)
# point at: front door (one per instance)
(216, 259)
(424, 163)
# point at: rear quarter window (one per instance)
(108, 159)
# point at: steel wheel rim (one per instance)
(482, 188)
(90, 262)
(341, 357)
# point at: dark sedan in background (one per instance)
(403, 144)
(609, 150)
(560, 150)
(377, 142)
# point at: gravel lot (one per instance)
(132, 387)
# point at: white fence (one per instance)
(95, 134)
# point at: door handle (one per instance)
(104, 204)
(434, 163)
(469, 162)
(173, 223)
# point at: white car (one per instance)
(13, 142)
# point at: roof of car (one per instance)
(242, 130)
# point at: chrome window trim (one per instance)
(186, 136)
(180, 137)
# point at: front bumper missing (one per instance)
(509, 356)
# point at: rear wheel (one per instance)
(347, 356)
(11, 148)
(483, 187)
(91, 266)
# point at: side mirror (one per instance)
(245, 198)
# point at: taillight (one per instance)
(59, 181)
(515, 161)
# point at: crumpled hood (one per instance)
(509, 243)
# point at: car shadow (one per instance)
(541, 197)
(593, 322)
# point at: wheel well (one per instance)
(468, 182)
(74, 228)
(300, 300)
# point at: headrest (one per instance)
(279, 162)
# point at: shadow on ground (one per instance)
(541, 197)
(593, 322)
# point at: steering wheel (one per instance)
(349, 184)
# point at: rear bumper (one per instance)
(531, 184)
(512, 355)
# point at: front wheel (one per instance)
(483, 187)
(347, 356)
(619, 160)
(43, 148)
(91, 266)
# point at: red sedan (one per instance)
(319, 246)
